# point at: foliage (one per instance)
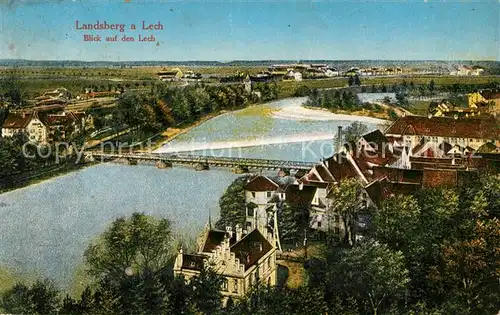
(293, 222)
(449, 238)
(41, 298)
(354, 131)
(130, 264)
(302, 90)
(274, 301)
(346, 203)
(232, 204)
(370, 276)
(333, 99)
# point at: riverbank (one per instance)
(25, 179)
(321, 114)
(171, 133)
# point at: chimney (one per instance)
(339, 139)
(229, 232)
(239, 232)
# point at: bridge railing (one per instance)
(221, 161)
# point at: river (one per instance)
(45, 228)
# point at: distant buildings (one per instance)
(41, 127)
(467, 71)
(92, 95)
(487, 99)
(441, 136)
(170, 75)
(177, 74)
(58, 96)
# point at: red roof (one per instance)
(324, 173)
(341, 167)
(251, 248)
(446, 127)
(490, 95)
(261, 183)
(16, 121)
(398, 175)
(300, 194)
(214, 239)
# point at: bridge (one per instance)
(201, 162)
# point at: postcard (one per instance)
(249, 157)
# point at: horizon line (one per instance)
(244, 60)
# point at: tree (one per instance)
(302, 90)
(232, 204)
(432, 86)
(206, 295)
(467, 272)
(269, 300)
(293, 222)
(351, 81)
(130, 263)
(345, 202)
(396, 222)
(41, 298)
(357, 81)
(354, 131)
(371, 274)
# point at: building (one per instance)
(45, 127)
(243, 259)
(467, 71)
(489, 100)
(437, 136)
(171, 75)
(446, 109)
(92, 95)
(28, 124)
(294, 75)
(262, 197)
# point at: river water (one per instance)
(45, 228)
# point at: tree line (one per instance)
(164, 107)
(431, 252)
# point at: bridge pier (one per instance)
(201, 167)
(283, 172)
(131, 161)
(241, 169)
(163, 164)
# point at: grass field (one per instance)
(33, 81)
(288, 88)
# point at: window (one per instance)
(269, 263)
(319, 224)
(235, 286)
(224, 284)
(268, 194)
(250, 212)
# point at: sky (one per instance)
(252, 30)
